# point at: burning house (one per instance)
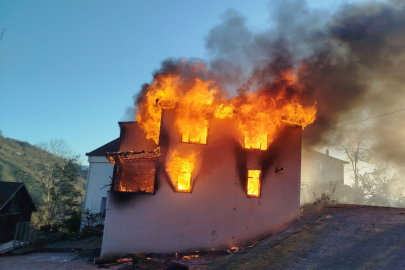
(199, 172)
(214, 156)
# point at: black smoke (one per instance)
(350, 62)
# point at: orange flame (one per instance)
(162, 94)
(259, 113)
(189, 257)
(194, 101)
(253, 185)
(180, 170)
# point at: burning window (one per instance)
(180, 170)
(184, 182)
(257, 142)
(133, 173)
(253, 183)
(139, 176)
(195, 136)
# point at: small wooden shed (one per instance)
(16, 205)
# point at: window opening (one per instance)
(195, 136)
(103, 203)
(253, 183)
(180, 170)
(318, 166)
(258, 142)
(134, 171)
(184, 182)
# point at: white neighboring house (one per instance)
(98, 177)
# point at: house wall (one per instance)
(100, 171)
(318, 171)
(217, 213)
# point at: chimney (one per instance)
(327, 152)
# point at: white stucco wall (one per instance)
(217, 213)
(100, 170)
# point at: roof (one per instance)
(112, 146)
(9, 189)
(325, 156)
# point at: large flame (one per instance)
(194, 100)
(191, 112)
(259, 112)
(163, 93)
(180, 170)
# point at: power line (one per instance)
(359, 121)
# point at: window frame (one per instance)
(185, 191)
(188, 142)
(251, 148)
(247, 183)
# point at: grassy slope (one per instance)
(15, 168)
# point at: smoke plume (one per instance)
(351, 63)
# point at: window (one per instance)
(180, 170)
(195, 136)
(135, 174)
(103, 203)
(184, 182)
(318, 166)
(257, 142)
(253, 183)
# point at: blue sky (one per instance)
(69, 69)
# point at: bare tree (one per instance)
(57, 174)
(55, 152)
(57, 147)
(375, 182)
(356, 147)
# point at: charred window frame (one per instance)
(133, 174)
(263, 143)
(185, 138)
(253, 183)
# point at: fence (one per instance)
(25, 236)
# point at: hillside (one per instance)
(17, 160)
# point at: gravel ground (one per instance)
(48, 261)
(340, 237)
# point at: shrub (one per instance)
(324, 200)
(72, 224)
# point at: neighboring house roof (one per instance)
(112, 146)
(9, 189)
(324, 156)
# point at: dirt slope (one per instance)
(341, 237)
